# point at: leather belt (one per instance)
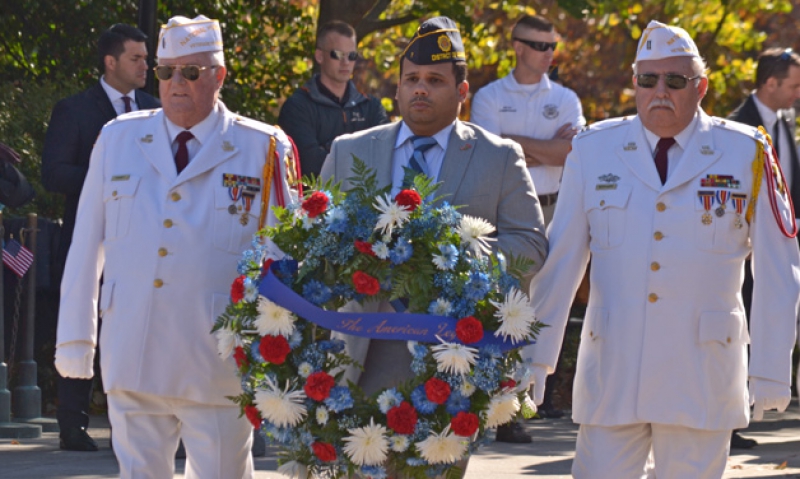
(547, 200)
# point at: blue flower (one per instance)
(295, 339)
(457, 403)
(448, 258)
(250, 289)
(280, 435)
(337, 220)
(420, 400)
(373, 472)
(401, 252)
(478, 286)
(340, 399)
(316, 292)
(255, 353)
(440, 307)
(389, 399)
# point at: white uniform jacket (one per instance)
(665, 335)
(167, 247)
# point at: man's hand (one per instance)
(536, 377)
(75, 360)
(566, 132)
(766, 394)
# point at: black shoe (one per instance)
(550, 413)
(513, 433)
(739, 442)
(76, 439)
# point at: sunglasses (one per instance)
(538, 46)
(189, 72)
(340, 55)
(673, 80)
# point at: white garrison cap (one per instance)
(182, 36)
(664, 41)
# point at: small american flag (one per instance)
(17, 257)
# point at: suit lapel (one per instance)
(456, 161)
(635, 153)
(381, 149)
(220, 147)
(154, 143)
(102, 102)
(698, 155)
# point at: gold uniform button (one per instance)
(168, 223)
(728, 340)
(658, 236)
(602, 202)
(158, 283)
(175, 196)
(162, 252)
(652, 297)
(661, 206)
(654, 266)
(114, 193)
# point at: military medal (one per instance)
(707, 198)
(244, 188)
(738, 200)
(722, 199)
(247, 201)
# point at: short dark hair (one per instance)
(459, 70)
(775, 63)
(112, 41)
(533, 22)
(335, 26)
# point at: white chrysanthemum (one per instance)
(367, 445)
(282, 408)
(273, 319)
(399, 443)
(467, 389)
(453, 358)
(305, 369)
(444, 448)
(381, 250)
(516, 316)
(322, 415)
(502, 409)
(294, 470)
(442, 307)
(474, 232)
(226, 341)
(392, 215)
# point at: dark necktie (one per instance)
(127, 101)
(182, 155)
(776, 137)
(663, 146)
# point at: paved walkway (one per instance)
(549, 457)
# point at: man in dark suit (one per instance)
(74, 125)
(771, 105)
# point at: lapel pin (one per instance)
(630, 147)
(146, 139)
(466, 147)
(227, 146)
(706, 150)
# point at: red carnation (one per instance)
(365, 247)
(409, 199)
(365, 284)
(274, 349)
(469, 330)
(324, 451)
(253, 415)
(508, 384)
(464, 424)
(241, 357)
(437, 390)
(237, 289)
(266, 265)
(402, 419)
(318, 386)
(316, 204)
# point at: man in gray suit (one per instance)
(477, 169)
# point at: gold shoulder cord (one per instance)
(758, 174)
(266, 181)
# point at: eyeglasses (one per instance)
(340, 55)
(674, 81)
(538, 46)
(189, 72)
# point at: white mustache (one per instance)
(661, 103)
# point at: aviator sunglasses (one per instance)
(674, 81)
(189, 72)
(340, 55)
(538, 46)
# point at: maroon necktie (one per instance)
(182, 155)
(663, 146)
(127, 101)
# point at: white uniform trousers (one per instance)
(649, 450)
(146, 430)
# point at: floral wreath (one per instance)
(363, 246)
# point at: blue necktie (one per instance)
(417, 162)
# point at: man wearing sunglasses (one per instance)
(329, 104)
(71, 133)
(664, 202)
(542, 116)
(172, 197)
(771, 105)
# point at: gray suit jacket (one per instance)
(483, 173)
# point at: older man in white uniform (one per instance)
(667, 205)
(172, 198)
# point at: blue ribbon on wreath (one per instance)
(398, 326)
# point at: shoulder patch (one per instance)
(258, 126)
(736, 126)
(136, 115)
